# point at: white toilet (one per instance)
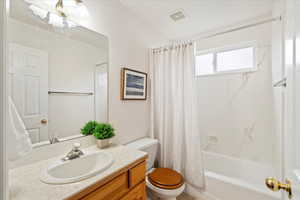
(162, 183)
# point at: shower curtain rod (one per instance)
(227, 31)
(238, 28)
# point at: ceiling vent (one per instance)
(177, 15)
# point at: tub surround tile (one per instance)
(25, 181)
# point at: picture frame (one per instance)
(133, 84)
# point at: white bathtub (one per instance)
(229, 178)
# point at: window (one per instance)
(206, 62)
(226, 61)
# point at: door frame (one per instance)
(3, 102)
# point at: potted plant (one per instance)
(89, 128)
(103, 133)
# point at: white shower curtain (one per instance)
(174, 111)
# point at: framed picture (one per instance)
(133, 85)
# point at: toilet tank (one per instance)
(147, 145)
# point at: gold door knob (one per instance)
(276, 185)
(44, 121)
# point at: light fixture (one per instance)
(60, 13)
(60, 8)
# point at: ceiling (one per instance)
(202, 15)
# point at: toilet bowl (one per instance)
(162, 183)
(164, 191)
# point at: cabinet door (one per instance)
(137, 193)
(137, 174)
(113, 190)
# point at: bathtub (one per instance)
(228, 178)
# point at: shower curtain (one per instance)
(173, 111)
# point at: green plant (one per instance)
(104, 131)
(89, 128)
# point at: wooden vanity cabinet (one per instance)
(127, 184)
(137, 193)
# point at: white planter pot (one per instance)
(103, 143)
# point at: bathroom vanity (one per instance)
(124, 179)
(127, 184)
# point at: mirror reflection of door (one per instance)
(28, 70)
(101, 98)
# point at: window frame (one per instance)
(215, 51)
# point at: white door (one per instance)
(28, 72)
(291, 103)
(292, 128)
(101, 98)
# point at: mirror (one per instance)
(58, 75)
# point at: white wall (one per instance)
(129, 40)
(235, 108)
(71, 67)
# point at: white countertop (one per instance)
(25, 181)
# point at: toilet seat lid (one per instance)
(166, 178)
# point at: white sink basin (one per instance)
(78, 169)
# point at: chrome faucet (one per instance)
(53, 140)
(74, 153)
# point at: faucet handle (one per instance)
(76, 145)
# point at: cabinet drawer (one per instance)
(137, 174)
(114, 189)
(137, 193)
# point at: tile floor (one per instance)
(187, 197)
